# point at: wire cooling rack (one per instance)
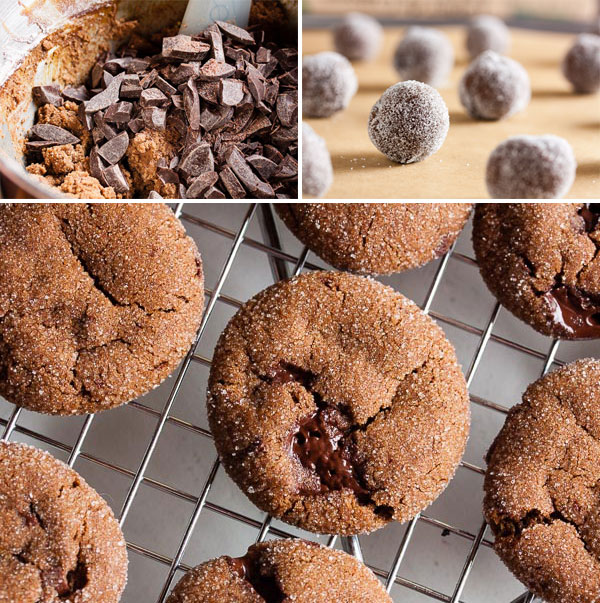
(173, 521)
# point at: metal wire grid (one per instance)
(279, 261)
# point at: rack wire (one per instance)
(280, 261)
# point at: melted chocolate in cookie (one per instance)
(590, 212)
(575, 311)
(248, 568)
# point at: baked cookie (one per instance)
(542, 499)
(59, 540)
(376, 238)
(281, 570)
(541, 261)
(98, 303)
(336, 404)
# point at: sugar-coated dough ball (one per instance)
(494, 87)
(486, 32)
(531, 167)
(409, 122)
(328, 84)
(425, 55)
(317, 173)
(358, 37)
(581, 65)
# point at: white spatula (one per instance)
(201, 13)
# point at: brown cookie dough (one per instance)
(281, 570)
(336, 404)
(59, 540)
(542, 489)
(541, 261)
(376, 238)
(98, 303)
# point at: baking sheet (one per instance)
(457, 170)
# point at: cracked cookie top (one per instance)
(98, 303)
(542, 486)
(59, 540)
(376, 238)
(281, 570)
(336, 404)
(542, 262)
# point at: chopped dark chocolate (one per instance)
(216, 41)
(231, 92)
(87, 119)
(197, 160)
(263, 55)
(231, 183)
(255, 186)
(287, 109)
(256, 83)
(154, 195)
(209, 91)
(77, 94)
(288, 168)
(265, 167)
(114, 177)
(153, 97)
(214, 193)
(183, 47)
(200, 184)
(119, 112)
(214, 70)
(136, 125)
(114, 150)
(214, 118)
(54, 134)
(191, 105)
(236, 33)
(155, 118)
(167, 175)
(183, 73)
(131, 87)
(47, 95)
(97, 166)
(107, 97)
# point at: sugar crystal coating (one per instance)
(317, 172)
(426, 55)
(531, 167)
(358, 37)
(328, 84)
(409, 122)
(486, 32)
(581, 65)
(494, 87)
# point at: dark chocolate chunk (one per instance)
(197, 160)
(288, 168)
(216, 40)
(213, 193)
(138, 65)
(38, 145)
(77, 94)
(114, 150)
(136, 125)
(287, 110)
(153, 97)
(256, 187)
(87, 119)
(259, 123)
(114, 177)
(266, 585)
(200, 184)
(214, 70)
(575, 311)
(288, 57)
(107, 78)
(107, 97)
(154, 195)
(273, 154)
(590, 212)
(117, 65)
(271, 91)
(256, 83)
(97, 73)
(184, 72)
(155, 118)
(47, 95)
(183, 47)
(290, 78)
(209, 91)
(54, 134)
(265, 167)
(181, 191)
(97, 166)
(266, 69)
(231, 183)
(263, 55)
(214, 118)
(231, 92)
(191, 105)
(131, 87)
(148, 80)
(235, 33)
(119, 112)
(167, 175)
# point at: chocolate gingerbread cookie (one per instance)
(542, 495)
(281, 570)
(376, 238)
(98, 303)
(59, 540)
(541, 261)
(336, 404)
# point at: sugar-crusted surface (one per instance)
(376, 238)
(98, 303)
(524, 249)
(426, 55)
(305, 571)
(367, 352)
(409, 122)
(358, 37)
(317, 171)
(59, 539)
(542, 498)
(494, 87)
(328, 84)
(531, 167)
(487, 32)
(581, 65)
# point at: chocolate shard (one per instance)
(153, 97)
(131, 87)
(213, 193)
(181, 191)
(259, 123)
(288, 168)
(107, 97)
(209, 91)
(97, 73)
(231, 183)
(256, 83)
(263, 55)
(272, 153)
(47, 95)
(290, 78)
(287, 110)
(184, 72)
(38, 145)
(197, 160)
(117, 65)
(191, 105)
(87, 119)
(97, 166)
(119, 113)
(183, 47)
(288, 57)
(149, 79)
(114, 177)
(211, 119)
(98, 135)
(235, 33)
(107, 78)
(114, 150)
(214, 70)
(256, 187)
(231, 92)
(136, 125)
(200, 184)
(155, 118)
(77, 94)
(167, 175)
(216, 41)
(165, 87)
(264, 166)
(284, 137)
(138, 65)
(154, 195)
(54, 134)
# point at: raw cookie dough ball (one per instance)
(494, 87)
(425, 55)
(531, 167)
(487, 32)
(358, 37)
(317, 173)
(581, 65)
(328, 84)
(409, 122)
